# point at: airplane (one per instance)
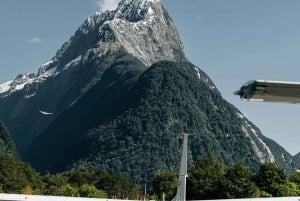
(20, 197)
(270, 91)
(181, 188)
(23, 197)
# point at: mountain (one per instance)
(139, 28)
(7, 146)
(116, 96)
(296, 161)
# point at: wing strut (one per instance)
(181, 188)
(270, 91)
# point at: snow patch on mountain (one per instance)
(198, 72)
(264, 154)
(239, 115)
(48, 73)
(45, 113)
(91, 22)
(283, 157)
(44, 73)
(29, 96)
(4, 87)
(142, 27)
(74, 62)
(17, 84)
(204, 78)
(44, 67)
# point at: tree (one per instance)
(238, 182)
(272, 179)
(205, 178)
(290, 189)
(80, 177)
(53, 184)
(18, 177)
(91, 192)
(67, 190)
(165, 182)
(116, 185)
(295, 177)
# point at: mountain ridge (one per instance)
(109, 26)
(76, 54)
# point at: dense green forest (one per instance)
(132, 125)
(208, 179)
(7, 146)
(18, 177)
(129, 122)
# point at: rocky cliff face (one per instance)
(296, 161)
(115, 95)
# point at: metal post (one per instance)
(181, 188)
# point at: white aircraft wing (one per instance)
(271, 91)
(23, 197)
(20, 197)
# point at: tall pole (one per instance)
(145, 192)
(181, 188)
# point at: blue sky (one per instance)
(233, 41)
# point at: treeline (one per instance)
(208, 179)
(18, 177)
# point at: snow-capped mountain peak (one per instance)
(17, 84)
(146, 31)
(4, 87)
(142, 27)
(135, 10)
(44, 72)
